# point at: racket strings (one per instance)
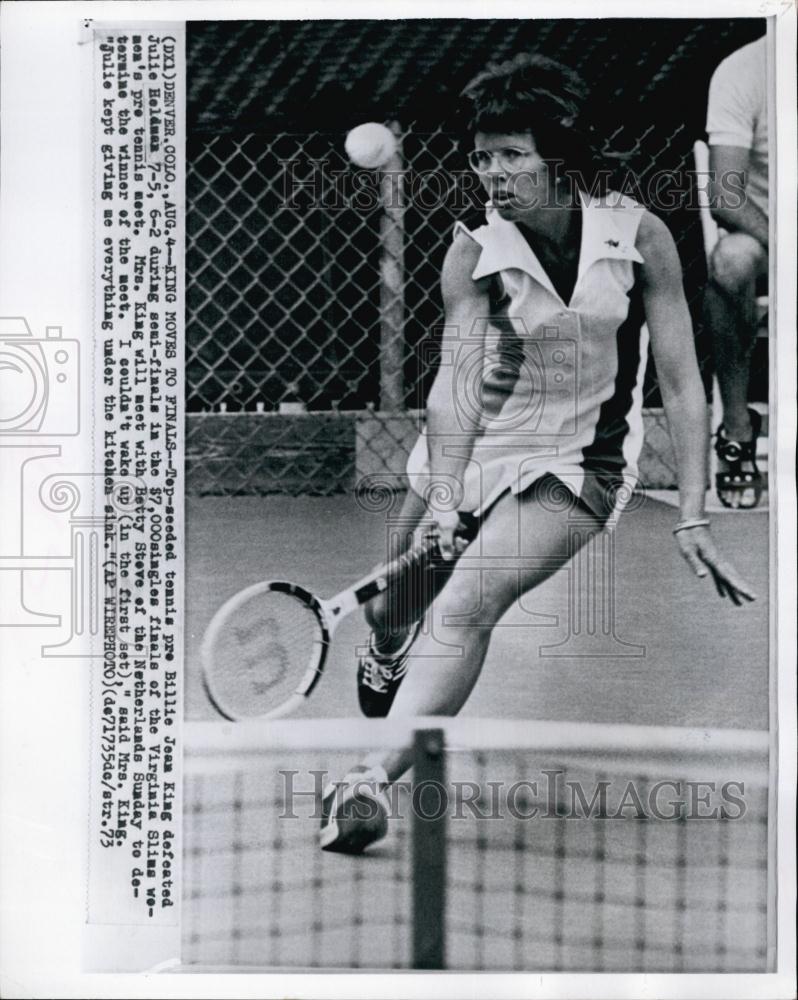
(262, 651)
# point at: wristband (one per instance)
(692, 522)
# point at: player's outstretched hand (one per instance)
(699, 551)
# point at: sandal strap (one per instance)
(735, 452)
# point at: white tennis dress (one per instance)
(560, 389)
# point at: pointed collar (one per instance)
(504, 247)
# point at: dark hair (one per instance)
(532, 93)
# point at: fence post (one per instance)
(392, 279)
(429, 807)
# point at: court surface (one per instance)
(259, 893)
(705, 661)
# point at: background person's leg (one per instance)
(730, 312)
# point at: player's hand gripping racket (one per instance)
(264, 650)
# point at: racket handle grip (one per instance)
(427, 551)
(468, 526)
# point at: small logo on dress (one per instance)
(612, 243)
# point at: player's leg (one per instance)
(730, 311)
(522, 542)
(392, 613)
(395, 615)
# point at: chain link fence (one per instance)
(313, 287)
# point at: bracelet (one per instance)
(692, 522)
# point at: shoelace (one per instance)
(378, 675)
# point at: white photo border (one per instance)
(43, 715)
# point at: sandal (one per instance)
(735, 485)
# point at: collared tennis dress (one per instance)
(560, 390)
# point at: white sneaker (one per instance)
(354, 811)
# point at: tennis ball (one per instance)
(370, 145)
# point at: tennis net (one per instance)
(513, 846)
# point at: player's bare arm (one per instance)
(451, 429)
(671, 333)
(731, 209)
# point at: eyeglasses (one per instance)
(509, 158)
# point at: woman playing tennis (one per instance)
(535, 412)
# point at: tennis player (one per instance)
(535, 412)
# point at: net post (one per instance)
(392, 278)
(429, 806)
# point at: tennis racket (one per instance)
(264, 650)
